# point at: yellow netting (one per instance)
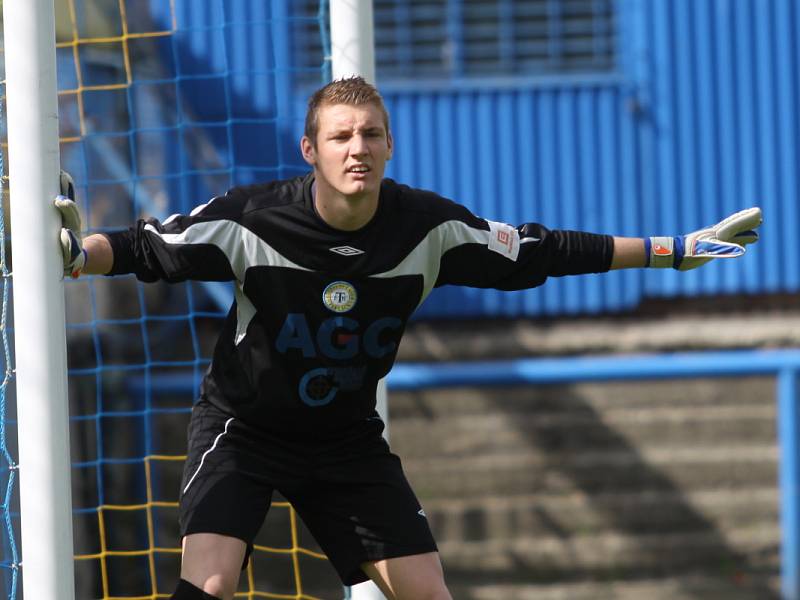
(102, 566)
(154, 550)
(76, 41)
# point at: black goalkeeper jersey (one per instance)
(318, 312)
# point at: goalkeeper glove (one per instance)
(71, 247)
(726, 239)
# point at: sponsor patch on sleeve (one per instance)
(504, 239)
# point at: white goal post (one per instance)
(353, 53)
(39, 322)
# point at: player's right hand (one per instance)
(726, 239)
(70, 237)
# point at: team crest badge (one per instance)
(339, 296)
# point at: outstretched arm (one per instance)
(482, 253)
(197, 246)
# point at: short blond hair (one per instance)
(354, 91)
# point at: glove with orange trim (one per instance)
(726, 239)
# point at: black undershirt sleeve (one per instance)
(578, 252)
(121, 243)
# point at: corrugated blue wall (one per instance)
(700, 120)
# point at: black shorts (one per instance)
(350, 492)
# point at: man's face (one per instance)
(351, 150)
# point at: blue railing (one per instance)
(784, 364)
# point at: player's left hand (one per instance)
(726, 239)
(70, 237)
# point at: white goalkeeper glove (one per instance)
(726, 239)
(71, 247)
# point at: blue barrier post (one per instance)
(790, 510)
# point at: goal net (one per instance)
(162, 105)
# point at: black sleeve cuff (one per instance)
(582, 252)
(122, 243)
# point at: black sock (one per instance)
(186, 591)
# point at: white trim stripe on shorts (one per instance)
(207, 452)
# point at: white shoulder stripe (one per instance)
(425, 258)
(242, 247)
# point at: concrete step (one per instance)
(619, 556)
(646, 490)
(657, 325)
(461, 435)
(579, 514)
(618, 469)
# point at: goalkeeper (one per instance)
(327, 270)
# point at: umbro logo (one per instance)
(346, 250)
